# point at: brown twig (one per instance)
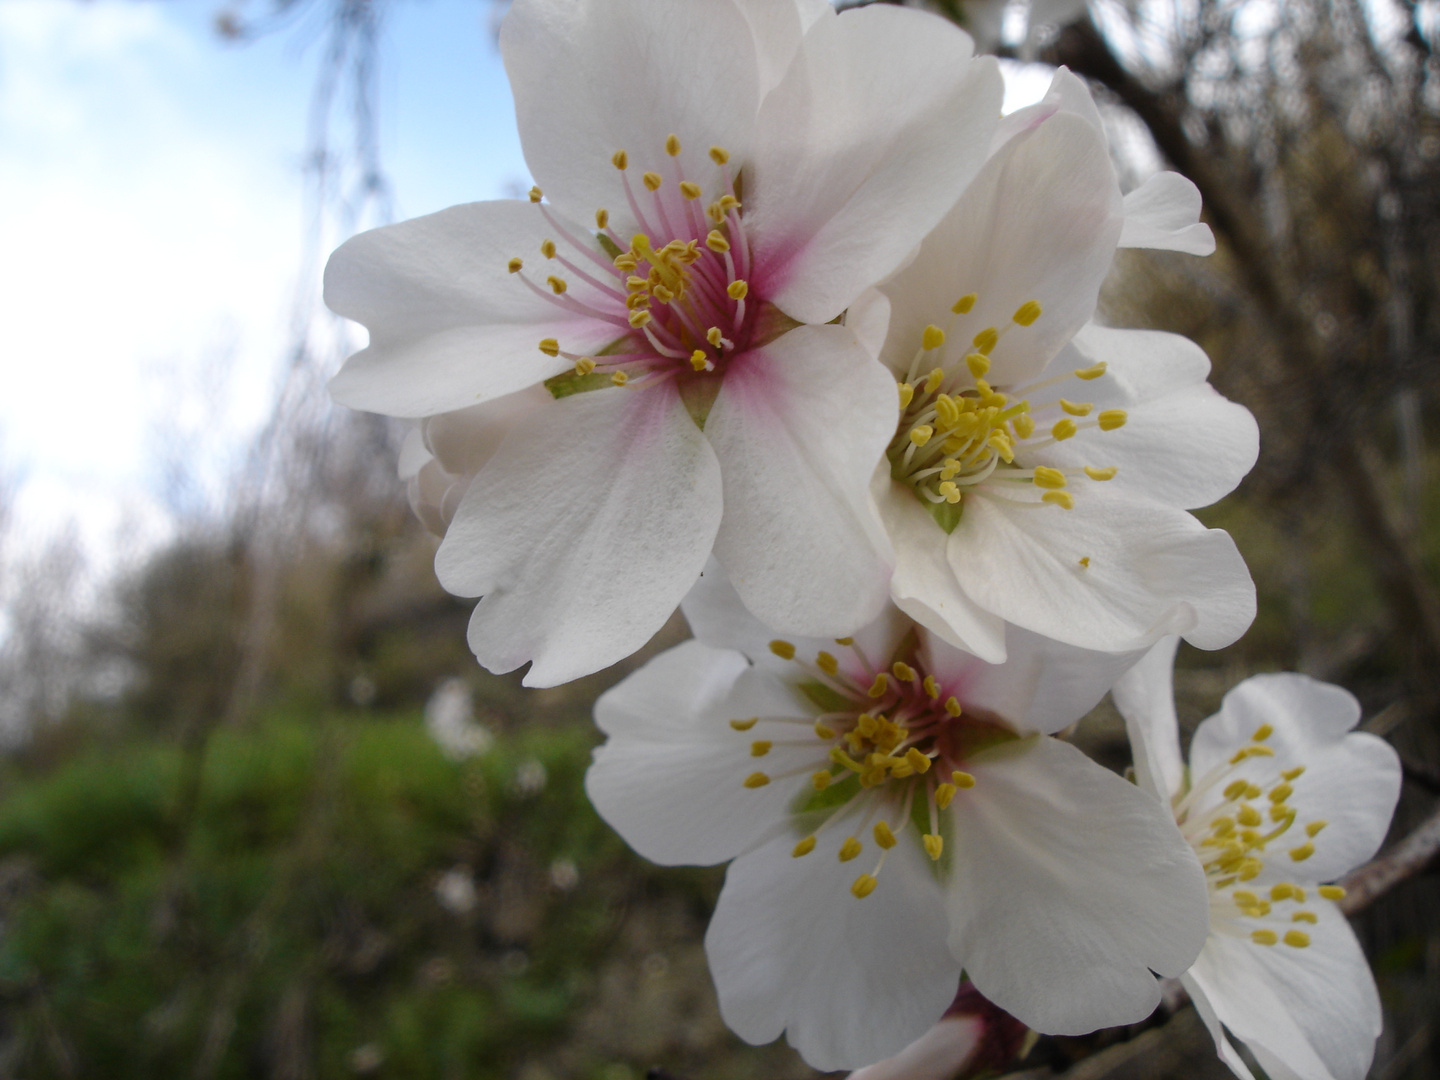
(1407, 859)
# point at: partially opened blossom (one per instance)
(1281, 798)
(896, 811)
(716, 183)
(1043, 467)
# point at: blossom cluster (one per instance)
(798, 333)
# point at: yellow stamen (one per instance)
(962, 779)
(880, 685)
(903, 671)
(1061, 499)
(756, 780)
(713, 336)
(620, 159)
(557, 284)
(584, 366)
(1303, 852)
(964, 304)
(536, 194)
(978, 363)
(1046, 477)
(1249, 752)
(1027, 313)
(514, 266)
(602, 218)
(1283, 891)
(1332, 892)
(804, 847)
(619, 378)
(1076, 408)
(883, 836)
(1107, 473)
(932, 338)
(1305, 917)
(1063, 429)
(1024, 425)
(760, 747)
(719, 155)
(986, 340)
(652, 181)
(1249, 817)
(932, 688)
(1297, 939)
(716, 242)
(547, 248)
(549, 346)
(1264, 937)
(736, 290)
(1093, 372)
(1313, 829)
(699, 361)
(863, 887)
(921, 435)
(952, 706)
(823, 731)
(827, 663)
(934, 846)
(689, 190)
(820, 780)
(943, 794)
(1236, 790)
(672, 145)
(1110, 419)
(907, 394)
(934, 379)
(1295, 773)
(744, 725)
(849, 849)
(1280, 792)
(918, 761)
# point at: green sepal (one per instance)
(698, 397)
(611, 248)
(826, 698)
(571, 382)
(947, 515)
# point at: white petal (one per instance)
(850, 981)
(592, 78)
(879, 123)
(923, 585)
(1164, 213)
(449, 325)
(1067, 93)
(798, 427)
(1313, 1010)
(1145, 696)
(1043, 686)
(1152, 570)
(1223, 1047)
(1351, 779)
(778, 26)
(583, 533)
(464, 440)
(940, 1054)
(413, 453)
(869, 319)
(670, 780)
(1039, 223)
(1069, 887)
(1183, 444)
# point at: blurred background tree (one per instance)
(236, 841)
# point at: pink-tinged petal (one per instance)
(449, 325)
(1223, 1047)
(1043, 686)
(671, 778)
(940, 1054)
(778, 26)
(592, 78)
(862, 147)
(798, 427)
(869, 319)
(583, 532)
(1164, 213)
(923, 585)
(1183, 444)
(1067, 93)
(1039, 223)
(1145, 696)
(1351, 779)
(1309, 1012)
(1152, 570)
(850, 981)
(1069, 887)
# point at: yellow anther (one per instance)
(716, 241)
(1063, 429)
(1027, 313)
(584, 366)
(1280, 792)
(714, 337)
(640, 319)
(602, 218)
(536, 194)
(1305, 917)
(557, 284)
(1093, 372)
(907, 394)
(978, 363)
(1297, 939)
(883, 836)
(932, 688)
(1313, 829)
(549, 346)
(729, 202)
(964, 304)
(689, 190)
(1236, 790)
(736, 290)
(986, 339)
(943, 794)
(1295, 773)
(1046, 477)
(820, 780)
(1076, 408)
(845, 642)
(826, 662)
(624, 261)
(756, 780)
(903, 671)
(719, 155)
(863, 887)
(514, 266)
(849, 849)
(947, 411)
(1249, 752)
(1110, 419)
(878, 687)
(1107, 473)
(1303, 852)
(1249, 817)
(783, 649)
(934, 846)
(921, 435)
(867, 726)
(804, 847)
(1061, 499)
(962, 779)
(918, 761)
(1263, 732)
(744, 725)
(932, 338)
(1264, 937)
(1245, 899)
(1283, 891)
(1299, 895)
(1085, 562)
(1024, 425)
(1332, 892)
(661, 293)
(672, 145)
(638, 300)
(1252, 791)
(651, 180)
(547, 248)
(952, 706)
(823, 730)
(619, 378)
(760, 747)
(699, 361)
(1250, 869)
(620, 159)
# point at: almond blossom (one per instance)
(1043, 466)
(716, 183)
(1281, 798)
(896, 810)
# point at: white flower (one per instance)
(896, 811)
(1281, 796)
(450, 719)
(1043, 465)
(721, 181)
